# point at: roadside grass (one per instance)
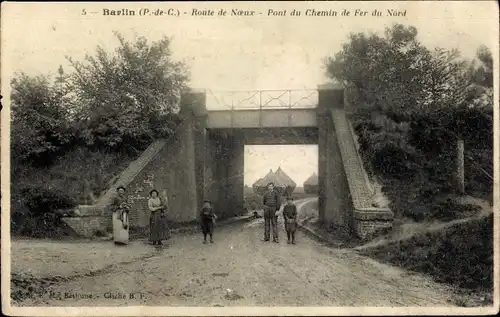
(460, 254)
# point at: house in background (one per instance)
(311, 184)
(282, 182)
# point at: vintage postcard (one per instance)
(311, 158)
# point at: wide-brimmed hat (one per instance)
(117, 188)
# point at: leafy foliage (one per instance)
(397, 75)
(42, 200)
(130, 97)
(40, 128)
(42, 217)
(411, 104)
(483, 74)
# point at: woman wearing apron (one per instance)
(120, 208)
(157, 221)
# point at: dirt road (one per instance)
(241, 270)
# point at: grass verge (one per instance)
(460, 255)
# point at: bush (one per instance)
(479, 172)
(443, 210)
(39, 214)
(391, 160)
(449, 210)
(82, 174)
(42, 201)
(46, 226)
(461, 255)
(418, 212)
(77, 177)
(384, 148)
(40, 127)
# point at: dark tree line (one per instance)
(411, 104)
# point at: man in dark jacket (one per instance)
(271, 204)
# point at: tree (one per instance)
(484, 73)
(378, 72)
(413, 104)
(62, 77)
(129, 97)
(397, 75)
(40, 128)
(480, 92)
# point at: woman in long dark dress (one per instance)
(158, 229)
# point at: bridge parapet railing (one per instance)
(261, 99)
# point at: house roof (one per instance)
(270, 178)
(312, 180)
(285, 178)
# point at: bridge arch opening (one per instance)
(344, 193)
(238, 157)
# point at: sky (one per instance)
(235, 53)
(297, 161)
(232, 53)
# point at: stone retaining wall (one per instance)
(367, 220)
(87, 226)
(371, 221)
(86, 220)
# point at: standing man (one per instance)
(271, 205)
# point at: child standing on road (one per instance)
(208, 218)
(290, 219)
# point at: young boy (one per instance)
(290, 219)
(208, 218)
